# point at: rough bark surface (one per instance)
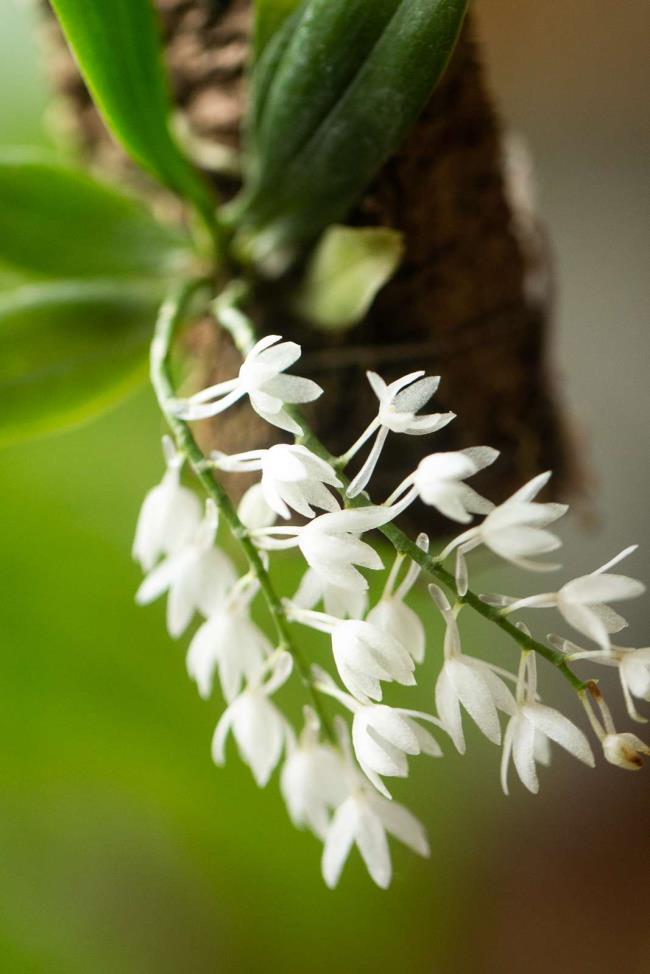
(469, 301)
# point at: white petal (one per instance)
(281, 419)
(447, 498)
(181, 603)
(503, 698)
(521, 541)
(586, 621)
(202, 657)
(448, 709)
(473, 502)
(310, 590)
(266, 342)
(560, 729)
(377, 755)
(362, 478)
(254, 510)
(373, 846)
(532, 488)
(361, 685)
(338, 842)
(475, 697)
(427, 743)
(417, 395)
(402, 623)
(221, 733)
(481, 456)
(401, 823)
(523, 753)
(158, 581)
(602, 588)
(395, 728)
(213, 577)
(343, 603)
(258, 730)
(293, 389)
(542, 749)
(612, 621)
(279, 358)
(636, 674)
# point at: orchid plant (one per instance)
(75, 316)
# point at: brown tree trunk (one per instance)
(468, 303)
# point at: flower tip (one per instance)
(625, 751)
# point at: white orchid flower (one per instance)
(365, 819)
(292, 477)
(383, 737)
(439, 482)
(364, 655)
(399, 404)
(259, 728)
(582, 601)
(393, 616)
(197, 577)
(169, 514)
(515, 530)
(228, 641)
(532, 726)
(467, 681)
(312, 779)
(331, 544)
(262, 379)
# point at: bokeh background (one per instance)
(122, 848)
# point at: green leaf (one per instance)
(288, 200)
(117, 46)
(305, 72)
(57, 221)
(69, 351)
(346, 271)
(270, 15)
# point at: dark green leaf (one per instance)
(117, 46)
(68, 351)
(321, 50)
(57, 221)
(287, 205)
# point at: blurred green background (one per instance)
(123, 849)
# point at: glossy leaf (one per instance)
(347, 270)
(68, 351)
(57, 221)
(117, 46)
(305, 72)
(286, 206)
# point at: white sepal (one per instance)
(260, 730)
(197, 577)
(169, 516)
(262, 379)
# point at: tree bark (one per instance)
(470, 302)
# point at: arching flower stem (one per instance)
(172, 315)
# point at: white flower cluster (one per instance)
(332, 778)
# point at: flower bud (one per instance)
(625, 751)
